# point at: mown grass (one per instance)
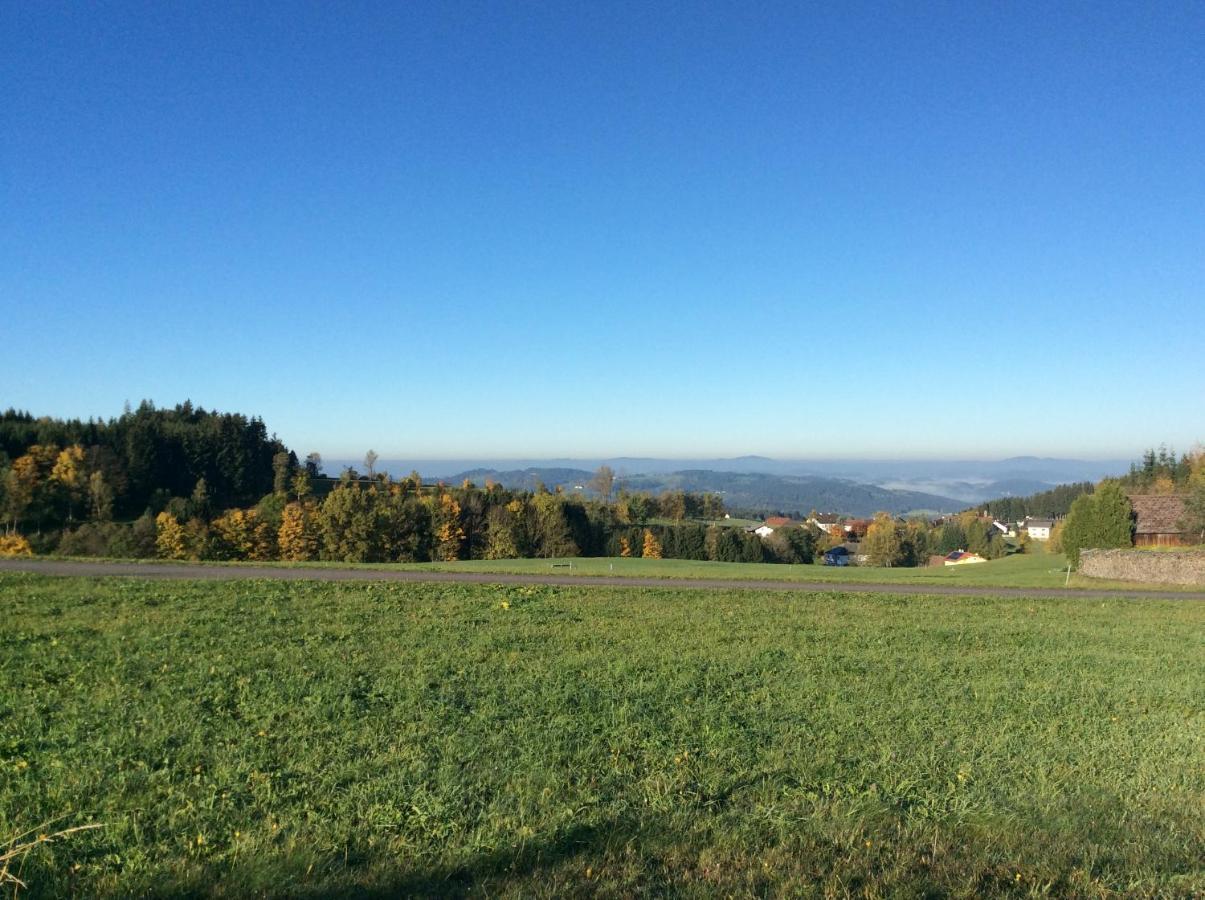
(307, 739)
(1036, 569)
(1022, 570)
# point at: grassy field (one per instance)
(1036, 569)
(309, 739)
(1026, 571)
(1029, 570)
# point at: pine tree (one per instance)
(1194, 509)
(199, 503)
(282, 466)
(1101, 519)
(1114, 515)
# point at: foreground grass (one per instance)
(308, 739)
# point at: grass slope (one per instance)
(376, 739)
(1036, 569)
(1023, 570)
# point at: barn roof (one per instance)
(1157, 513)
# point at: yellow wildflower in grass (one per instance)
(505, 604)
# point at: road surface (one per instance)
(194, 572)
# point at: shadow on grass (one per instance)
(376, 876)
(498, 867)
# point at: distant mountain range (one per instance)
(853, 486)
(747, 491)
(794, 493)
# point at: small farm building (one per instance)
(1158, 520)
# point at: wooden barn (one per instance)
(1157, 520)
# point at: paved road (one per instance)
(184, 571)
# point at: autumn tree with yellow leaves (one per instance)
(69, 474)
(170, 540)
(652, 546)
(449, 534)
(243, 534)
(14, 545)
(297, 539)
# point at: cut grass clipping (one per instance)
(315, 739)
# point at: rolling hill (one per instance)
(746, 491)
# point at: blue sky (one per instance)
(491, 229)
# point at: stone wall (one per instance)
(1154, 566)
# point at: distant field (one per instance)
(1026, 570)
(723, 523)
(1030, 570)
(285, 739)
(1038, 570)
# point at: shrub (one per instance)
(14, 545)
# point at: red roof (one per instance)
(778, 521)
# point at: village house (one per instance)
(767, 528)
(1038, 529)
(826, 522)
(1158, 520)
(855, 529)
(962, 558)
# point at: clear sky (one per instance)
(556, 229)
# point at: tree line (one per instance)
(187, 483)
(1052, 504)
(382, 520)
(55, 472)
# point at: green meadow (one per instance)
(1036, 569)
(375, 739)
(1022, 570)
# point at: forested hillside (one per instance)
(1051, 504)
(136, 460)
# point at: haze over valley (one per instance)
(858, 487)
